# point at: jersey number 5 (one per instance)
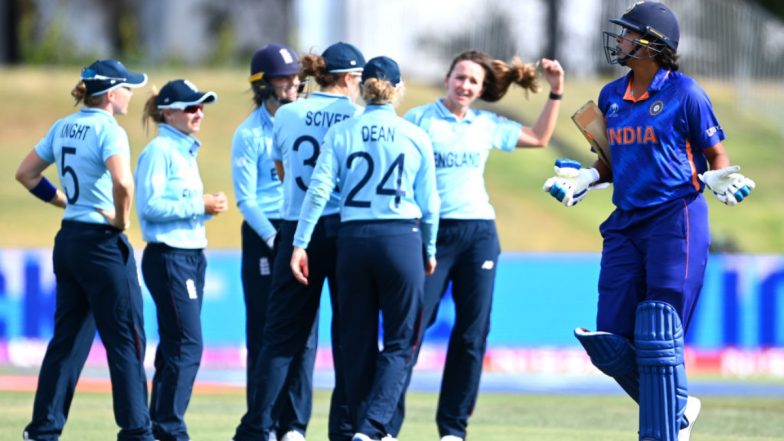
(381, 188)
(68, 170)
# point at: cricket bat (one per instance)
(590, 121)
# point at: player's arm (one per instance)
(723, 179)
(540, 133)
(30, 175)
(119, 167)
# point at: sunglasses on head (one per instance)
(194, 108)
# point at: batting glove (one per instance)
(729, 186)
(571, 182)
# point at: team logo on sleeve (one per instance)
(656, 108)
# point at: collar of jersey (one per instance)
(379, 107)
(97, 110)
(182, 141)
(656, 85)
(330, 95)
(445, 113)
(264, 116)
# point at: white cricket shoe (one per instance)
(388, 438)
(292, 435)
(451, 438)
(693, 407)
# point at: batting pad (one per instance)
(614, 356)
(658, 336)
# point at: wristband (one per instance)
(45, 190)
(555, 96)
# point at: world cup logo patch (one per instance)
(656, 108)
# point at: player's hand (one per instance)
(571, 182)
(729, 186)
(553, 73)
(299, 265)
(430, 266)
(113, 220)
(215, 203)
(270, 241)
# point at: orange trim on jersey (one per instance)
(629, 97)
(690, 155)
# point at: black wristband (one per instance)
(555, 96)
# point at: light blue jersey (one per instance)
(298, 132)
(80, 144)
(169, 191)
(257, 187)
(461, 147)
(386, 171)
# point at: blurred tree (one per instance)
(9, 39)
(774, 6)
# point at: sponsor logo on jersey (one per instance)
(710, 131)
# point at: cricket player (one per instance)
(666, 148)
(274, 80)
(468, 246)
(173, 209)
(388, 209)
(94, 264)
(292, 308)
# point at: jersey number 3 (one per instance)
(381, 188)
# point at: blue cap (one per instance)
(273, 60)
(652, 19)
(343, 57)
(104, 75)
(179, 94)
(383, 68)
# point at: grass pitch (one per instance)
(498, 417)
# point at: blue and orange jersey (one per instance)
(657, 140)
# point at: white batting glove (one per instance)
(729, 186)
(571, 182)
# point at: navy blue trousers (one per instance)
(467, 255)
(380, 268)
(175, 278)
(290, 334)
(97, 288)
(659, 253)
(293, 408)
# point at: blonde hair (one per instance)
(377, 91)
(151, 111)
(499, 75)
(79, 93)
(315, 66)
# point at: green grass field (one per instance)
(528, 219)
(498, 417)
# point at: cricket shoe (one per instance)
(388, 438)
(362, 437)
(693, 407)
(292, 435)
(451, 438)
